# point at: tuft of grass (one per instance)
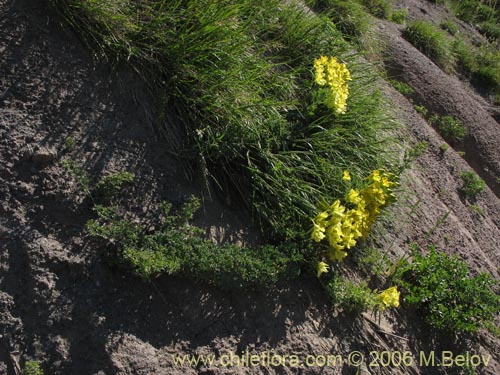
(491, 29)
(472, 184)
(477, 209)
(432, 42)
(402, 87)
(421, 109)
(442, 289)
(399, 16)
(373, 261)
(449, 26)
(379, 8)
(349, 17)
(444, 147)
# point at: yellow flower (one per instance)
(321, 218)
(322, 267)
(389, 298)
(319, 70)
(336, 209)
(353, 197)
(318, 233)
(346, 176)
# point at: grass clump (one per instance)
(449, 26)
(446, 294)
(472, 184)
(402, 87)
(349, 17)
(422, 110)
(399, 16)
(236, 79)
(432, 42)
(379, 8)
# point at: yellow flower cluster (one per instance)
(342, 226)
(329, 72)
(388, 298)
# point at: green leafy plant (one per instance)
(442, 289)
(109, 186)
(32, 367)
(78, 174)
(472, 184)
(449, 127)
(350, 296)
(178, 248)
(432, 42)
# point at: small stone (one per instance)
(44, 155)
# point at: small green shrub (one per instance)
(449, 127)
(349, 296)
(78, 174)
(69, 143)
(444, 147)
(402, 87)
(450, 26)
(399, 16)
(448, 296)
(472, 184)
(111, 185)
(32, 367)
(432, 42)
(178, 248)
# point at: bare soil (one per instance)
(61, 304)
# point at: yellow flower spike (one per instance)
(329, 72)
(389, 298)
(346, 176)
(322, 268)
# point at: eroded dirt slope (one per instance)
(61, 304)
